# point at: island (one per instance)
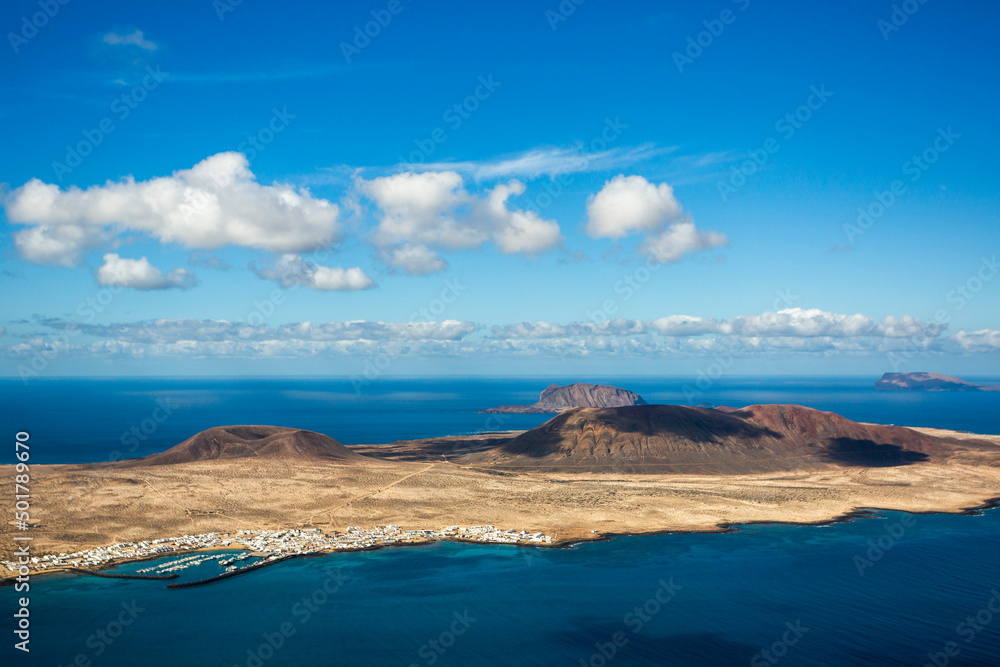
(250, 496)
(577, 395)
(928, 382)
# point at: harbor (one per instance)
(248, 550)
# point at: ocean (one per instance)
(888, 589)
(88, 420)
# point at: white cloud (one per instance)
(683, 325)
(337, 279)
(416, 260)
(518, 231)
(141, 275)
(681, 239)
(799, 322)
(908, 327)
(132, 39)
(424, 213)
(216, 203)
(551, 161)
(537, 330)
(631, 204)
(981, 340)
(292, 270)
(790, 323)
(162, 331)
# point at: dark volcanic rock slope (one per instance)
(269, 442)
(679, 439)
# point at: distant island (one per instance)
(928, 382)
(273, 492)
(577, 395)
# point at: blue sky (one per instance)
(484, 189)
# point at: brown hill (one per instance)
(269, 442)
(674, 438)
(577, 395)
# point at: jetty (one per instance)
(120, 575)
(228, 574)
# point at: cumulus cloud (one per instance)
(799, 322)
(416, 260)
(134, 38)
(679, 239)
(292, 270)
(683, 325)
(141, 275)
(423, 213)
(216, 203)
(981, 340)
(631, 204)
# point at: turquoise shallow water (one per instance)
(689, 599)
(709, 599)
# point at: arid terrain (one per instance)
(237, 478)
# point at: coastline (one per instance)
(859, 513)
(416, 486)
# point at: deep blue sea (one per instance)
(893, 589)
